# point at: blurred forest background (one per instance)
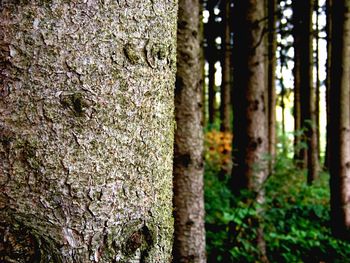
(275, 94)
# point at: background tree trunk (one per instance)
(300, 156)
(271, 85)
(340, 122)
(211, 58)
(189, 242)
(317, 81)
(250, 143)
(304, 52)
(328, 70)
(86, 108)
(225, 105)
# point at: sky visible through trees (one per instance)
(287, 70)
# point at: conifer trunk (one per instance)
(225, 93)
(189, 240)
(339, 156)
(250, 143)
(271, 85)
(86, 130)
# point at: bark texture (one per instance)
(340, 121)
(86, 130)
(189, 241)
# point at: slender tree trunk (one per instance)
(189, 241)
(250, 143)
(328, 63)
(211, 58)
(308, 118)
(271, 85)
(211, 91)
(299, 151)
(317, 82)
(86, 130)
(340, 122)
(225, 105)
(283, 105)
(303, 12)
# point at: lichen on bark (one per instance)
(86, 130)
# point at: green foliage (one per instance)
(295, 219)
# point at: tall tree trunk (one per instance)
(271, 76)
(211, 58)
(189, 241)
(211, 91)
(250, 121)
(202, 63)
(299, 151)
(303, 11)
(340, 121)
(308, 118)
(329, 4)
(225, 105)
(86, 135)
(283, 105)
(317, 82)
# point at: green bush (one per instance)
(295, 219)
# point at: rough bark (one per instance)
(189, 241)
(86, 130)
(271, 77)
(340, 123)
(225, 106)
(250, 143)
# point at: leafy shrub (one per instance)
(295, 218)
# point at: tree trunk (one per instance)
(211, 92)
(299, 150)
(271, 85)
(328, 64)
(303, 23)
(317, 83)
(211, 58)
(283, 105)
(189, 242)
(250, 143)
(225, 105)
(87, 130)
(340, 121)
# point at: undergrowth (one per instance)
(295, 217)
